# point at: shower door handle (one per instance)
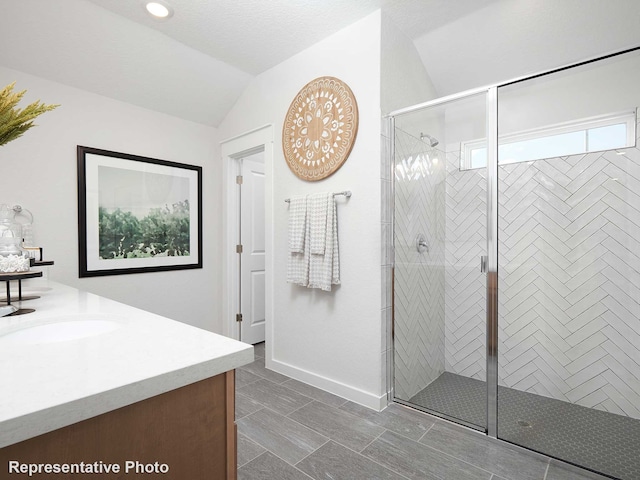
(483, 264)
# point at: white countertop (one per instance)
(48, 385)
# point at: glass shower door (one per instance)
(569, 265)
(440, 237)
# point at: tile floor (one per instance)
(288, 430)
(602, 441)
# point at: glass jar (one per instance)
(12, 257)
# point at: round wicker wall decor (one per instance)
(320, 128)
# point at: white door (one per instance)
(252, 239)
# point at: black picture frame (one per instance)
(137, 214)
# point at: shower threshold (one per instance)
(601, 441)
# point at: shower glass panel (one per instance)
(440, 232)
(569, 265)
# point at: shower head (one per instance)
(432, 141)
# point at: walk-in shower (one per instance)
(522, 317)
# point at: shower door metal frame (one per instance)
(491, 97)
(490, 262)
(491, 93)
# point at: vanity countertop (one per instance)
(65, 374)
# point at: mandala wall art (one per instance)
(320, 128)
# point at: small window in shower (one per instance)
(591, 135)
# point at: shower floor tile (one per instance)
(456, 396)
(601, 441)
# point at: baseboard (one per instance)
(347, 392)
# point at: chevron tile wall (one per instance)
(466, 234)
(419, 280)
(569, 273)
(569, 268)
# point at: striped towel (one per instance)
(324, 268)
(298, 255)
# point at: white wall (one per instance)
(404, 79)
(38, 171)
(599, 88)
(331, 340)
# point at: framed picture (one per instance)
(137, 214)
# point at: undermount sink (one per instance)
(62, 329)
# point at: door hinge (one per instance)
(239, 179)
(238, 317)
(238, 248)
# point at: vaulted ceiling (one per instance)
(196, 64)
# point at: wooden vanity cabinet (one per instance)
(191, 429)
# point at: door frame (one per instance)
(231, 149)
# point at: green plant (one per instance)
(14, 121)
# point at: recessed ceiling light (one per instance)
(159, 10)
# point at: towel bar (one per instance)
(346, 193)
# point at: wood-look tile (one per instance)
(480, 451)
(244, 377)
(315, 393)
(257, 368)
(333, 461)
(269, 467)
(417, 461)
(274, 396)
(560, 471)
(246, 406)
(343, 427)
(248, 450)
(282, 436)
(403, 420)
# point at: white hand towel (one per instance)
(317, 214)
(298, 255)
(297, 223)
(324, 270)
(335, 267)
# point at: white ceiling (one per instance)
(513, 38)
(252, 35)
(255, 35)
(197, 64)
